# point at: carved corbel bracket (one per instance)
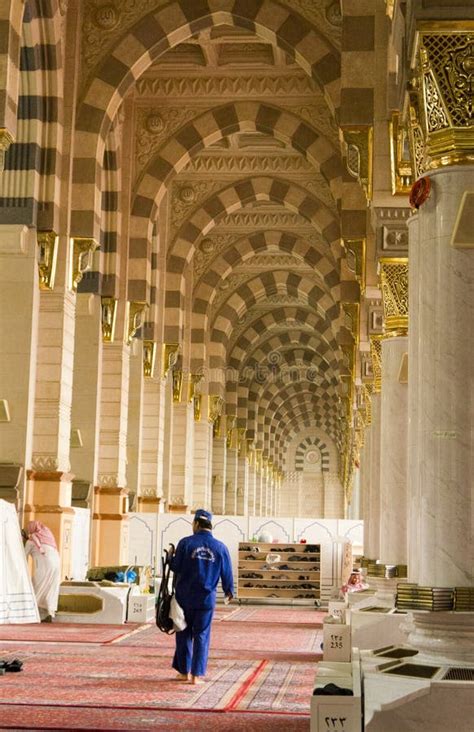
(149, 358)
(168, 357)
(47, 258)
(82, 251)
(136, 318)
(109, 318)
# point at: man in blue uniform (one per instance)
(199, 562)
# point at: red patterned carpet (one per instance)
(277, 615)
(260, 676)
(65, 632)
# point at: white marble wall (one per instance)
(442, 290)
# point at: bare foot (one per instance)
(198, 680)
(182, 677)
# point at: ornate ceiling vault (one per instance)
(220, 171)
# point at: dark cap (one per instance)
(202, 514)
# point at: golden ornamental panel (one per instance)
(376, 353)
(400, 161)
(444, 86)
(393, 275)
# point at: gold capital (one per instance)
(442, 97)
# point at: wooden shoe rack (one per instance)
(296, 576)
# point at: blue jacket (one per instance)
(199, 562)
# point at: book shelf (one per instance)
(296, 576)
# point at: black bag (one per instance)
(163, 601)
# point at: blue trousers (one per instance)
(192, 643)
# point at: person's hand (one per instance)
(228, 598)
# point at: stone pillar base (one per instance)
(110, 528)
(385, 589)
(148, 504)
(177, 508)
(443, 636)
(48, 499)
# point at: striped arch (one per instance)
(293, 427)
(303, 448)
(152, 36)
(278, 352)
(233, 198)
(230, 199)
(304, 413)
(278, 406)
(262, 284)
(242, 250)
(289, 318)
(263, 398)
(11, 17)
(35, 156)
(212, 126)
(299, 436)
(105, 274)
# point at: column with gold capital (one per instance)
(394, 411)
(441, 384)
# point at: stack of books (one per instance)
(464, 599)
(376, 570)
(414, 597)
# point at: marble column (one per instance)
(135, 422)
(372, 551)
(49, 487)
(19, 306)
(110, 517)
(365, 486)
(180, 488)
(393, 454)
(219, 454)
(441, 343)
(151, 457)
(202, 464)
(87, 385)
(231, 472)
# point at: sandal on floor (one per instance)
(12, 666)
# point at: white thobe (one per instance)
(46, 577)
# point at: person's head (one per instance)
(202, 521)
